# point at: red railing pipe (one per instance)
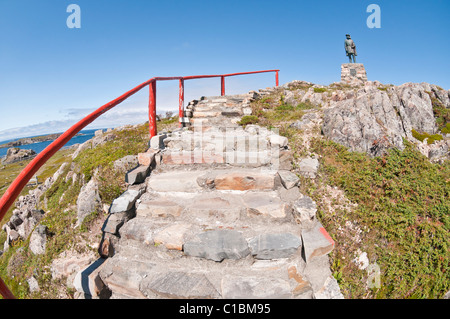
(28, 172)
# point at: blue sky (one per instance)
(51, 75)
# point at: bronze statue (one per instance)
(350, 48)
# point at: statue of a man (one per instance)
(350, 48)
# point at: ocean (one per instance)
(39, 147)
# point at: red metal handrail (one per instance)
(28, 172)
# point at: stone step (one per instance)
(219, 216)
(216, 264)
(240, 179)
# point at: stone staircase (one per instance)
(213, 211)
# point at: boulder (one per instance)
(88, 200)
(316, 242)
(125, 201)
(15, 154)
(304, 210)
(38, 240)
(288, 179)
(137, 175)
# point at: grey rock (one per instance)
(157, 141)
(273, 246)
(304, 210)
(217, 245)
(330, 290)
(33, 284)
(88, 200)
(125, 201)
(373, 121)
(115, 221)
(15, 154)
(234, 287)
(178, 284)
(316, 242)
(137, 175)
(126, 163)
(38, 240)
(288, 179)
(308, 167)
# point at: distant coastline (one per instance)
(30, 140)
(38, 143)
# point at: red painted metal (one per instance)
(28, 172)
(4, 291)
(222, 85)
(181, 103)
(152, 109)
(276, 78)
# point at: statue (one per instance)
(350, 48)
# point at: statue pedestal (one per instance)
(353, 73)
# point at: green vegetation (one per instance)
(273, 111)
(441, 113)
(430, 138)
(248, 119)
(320, 90)
(404, 212)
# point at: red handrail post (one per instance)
(181, 103)
(5, 292)
(276, 78)
(222, 80)
(152, 108)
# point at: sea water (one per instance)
(40, 146)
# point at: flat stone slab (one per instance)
(212, 206)
(316, 242)
(246, 180)
(273, 246)
(173, 236)
(266, 204)
(218, 245)
(175, 181)
(234, 287)
(178, 284)
(123, 275)
(158, 208)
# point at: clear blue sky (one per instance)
(51, 76)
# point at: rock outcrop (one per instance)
(371, 117)
(15, 154)
(374, 119)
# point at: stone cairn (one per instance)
(213, 211)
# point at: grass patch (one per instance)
(248, 119)
(430, 138)
(320, 90)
